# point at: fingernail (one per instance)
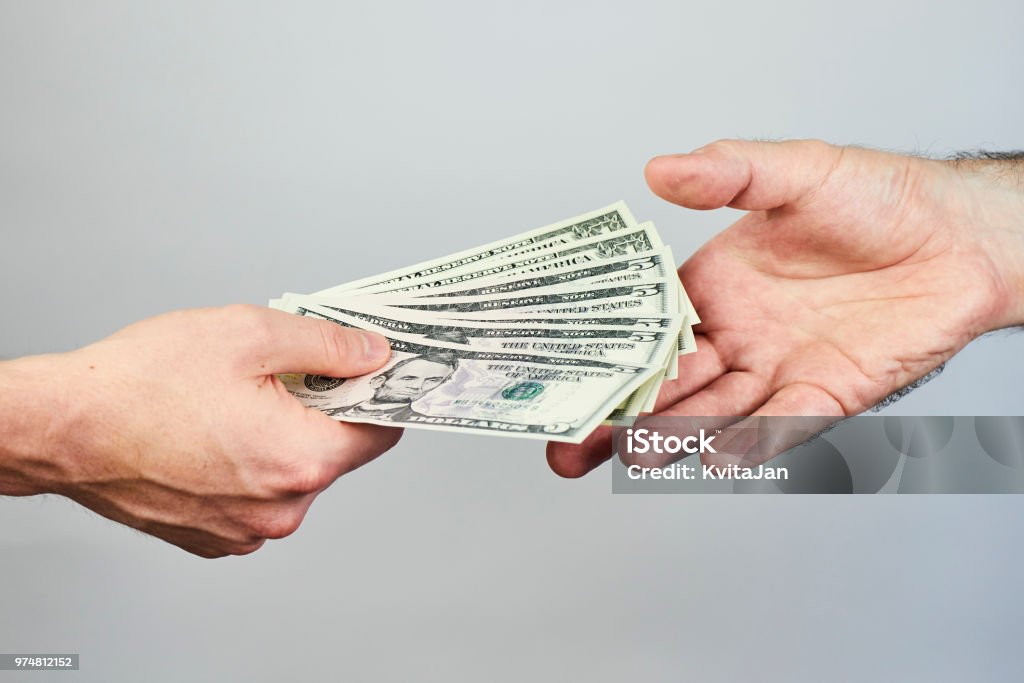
(375, 347)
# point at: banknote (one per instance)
(432, 315)
(594, 319)
(543, 335)
(433, 385)
(655, 297)
(555, 337)
(632, 268)
(536, 257)
(638, 401)
(288, 301)
(625, 269)
(549, 259)
(603, 221)
(636, 268)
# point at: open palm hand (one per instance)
(854, 274)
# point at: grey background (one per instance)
(163, 155)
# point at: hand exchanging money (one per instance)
(854, 274)
(182, 426)
(542, 335)
(178, 426)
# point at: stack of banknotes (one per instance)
(545, 334)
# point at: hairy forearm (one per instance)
(994, 192)
(30, 390)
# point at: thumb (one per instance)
(294, 343)
(754, 176)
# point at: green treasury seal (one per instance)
(523, 391)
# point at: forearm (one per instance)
(994, 184)
(30, 401)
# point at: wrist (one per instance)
(995, 221)
(1007, 248)
(31, 439)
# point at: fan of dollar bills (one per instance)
(544, 335)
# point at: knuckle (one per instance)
(282, 524)
(818, 143)
(337, 343)
(300, 479)
(722, 146)
(817, 147)
(249, 324)
(258, 335)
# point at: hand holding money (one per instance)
(544, 334)
(177, 425)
